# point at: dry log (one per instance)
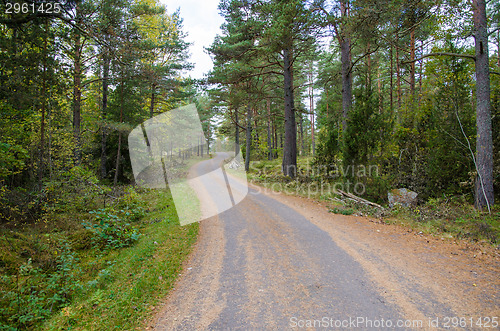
(357, 199)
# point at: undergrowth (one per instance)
(78, 249)
(449, 216)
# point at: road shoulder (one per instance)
(461, 274)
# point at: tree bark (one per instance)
(289, 164)
(380, 96)
(248, 138)
(484, 195)
(118, 156)
(391, 81)
(302, 146)
(256, 126)
(369, 67)
(269, 146)
(311, 110)
(345, 58)
(275, 140)
(152, 103)
(420, 73)
(236, 133)
(398, 76)
(77, 88)
(412, 63)
(105, 82)
(43, 106)
(208, 139)
(118, 153)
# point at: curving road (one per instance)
(276, 262)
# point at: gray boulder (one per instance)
(403, 197)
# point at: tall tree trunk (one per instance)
(19, 97)
(44, 98)
(119, 151)
(118, 157)
(391, 81)
(369, 67)
(289, 165)
(484, 145)
(77, 88)
(255, 125)
(105, 82)
(345, 58)
(248, 138)
(49, 138)
(275, 139)
(152, 102)
(208, 139)
(269, 146)
(421, 72)
(236, 133)
(380, 96)
(412, 63)
(302, 146)
(311, 110)
(398, 75)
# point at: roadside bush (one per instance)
(74, 189)
(31, 295)
(19, 205)
(109, 231)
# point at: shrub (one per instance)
(109, 231)
(31, 295)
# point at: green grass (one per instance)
(269, 175)
(55, 276)
(187, 203)
(127, 283)
(450, 218)
(342, 211)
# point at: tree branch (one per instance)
(362, 57)
(467, 56)
(493, 31)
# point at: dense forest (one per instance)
(403, 85)
(398, 84)
(410, 88)
(76, 78)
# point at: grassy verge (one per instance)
(96, 258)
(451, 217)
(186, 200)
(125, 285)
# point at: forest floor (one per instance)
(278, 261)
(90, 264)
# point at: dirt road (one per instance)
(281, 262)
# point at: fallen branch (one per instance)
(338, 200)
(357, 199)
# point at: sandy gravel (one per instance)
(275, 261)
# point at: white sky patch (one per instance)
(202, 23)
